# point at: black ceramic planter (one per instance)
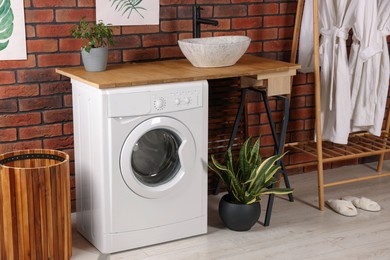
(238, 217)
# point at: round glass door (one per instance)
(157, 157)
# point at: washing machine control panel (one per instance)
(176, 99)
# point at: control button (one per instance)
(187, 100)
(159, 103)
(177, 101)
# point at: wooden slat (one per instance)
(8, 238)
(13, 211)
(305, 151)
(67, 199)
(325, 151)
(361, 147)
(356, 150)
(19, 215)
(49, 210)
(30, 212)
(343, 150)
(365, 178)
(37, 217)
(25, 222)
(54, 207)
(299, 165)
(43, 213)
(354, 156)
(373, 142)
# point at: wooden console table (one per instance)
(269, 77)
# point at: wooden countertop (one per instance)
(136, 74)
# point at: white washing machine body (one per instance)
(141, 163)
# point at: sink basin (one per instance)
(214, 52)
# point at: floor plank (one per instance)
(298, 229)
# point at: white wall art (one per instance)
(128, 12)
(12, 30)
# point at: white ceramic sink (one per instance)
(218, 51)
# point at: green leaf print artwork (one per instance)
(6, 23)
(127, 6)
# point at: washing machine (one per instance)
(141, 163)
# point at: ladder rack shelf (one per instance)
(359, 145)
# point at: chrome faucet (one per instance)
(197, 21)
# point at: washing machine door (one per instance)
(157, 157)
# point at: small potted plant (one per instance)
(246, 178)
(96, 39)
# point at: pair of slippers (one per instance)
(348, 205)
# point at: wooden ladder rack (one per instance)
(359, 144)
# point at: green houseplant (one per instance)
(96, 39)
(246, 178)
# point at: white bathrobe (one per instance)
(336, 19)
(364, 65)
(353, 96)
(381, 70)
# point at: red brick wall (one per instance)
(35, 102)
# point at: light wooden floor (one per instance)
(298, 230)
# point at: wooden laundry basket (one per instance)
(35, 217)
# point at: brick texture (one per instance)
(8, 134)
(42, 45)
(36, 102)
(19, 91)
(40, 131)
(40, 103)
(39, 16)
(7, 77)
(19, 119)
(8, 106)
(15, 64)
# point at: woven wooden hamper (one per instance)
(35, 217)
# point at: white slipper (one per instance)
(343, 207)
(363, 203)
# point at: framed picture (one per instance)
(12, 30)
(128, 12)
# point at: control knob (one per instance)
(159, 103)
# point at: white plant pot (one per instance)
(96, 59)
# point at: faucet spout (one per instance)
(207, 21)
(197, 21)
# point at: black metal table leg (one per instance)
(234, 132)
(279, 144)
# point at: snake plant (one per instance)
(6, 23)
(249, 176)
